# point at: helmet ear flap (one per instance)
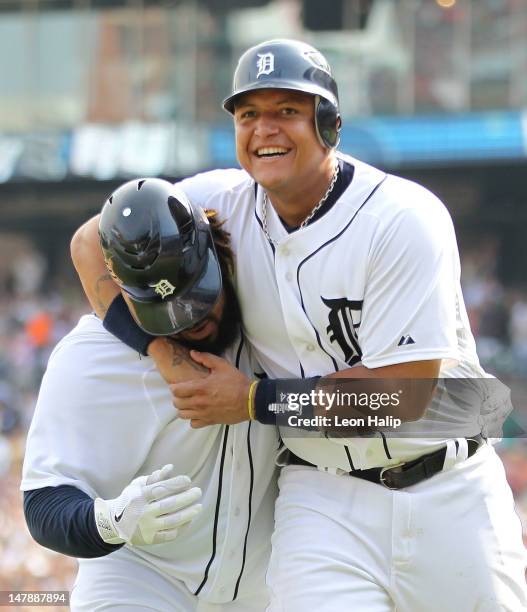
(327, 122)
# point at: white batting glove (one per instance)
(149, 510)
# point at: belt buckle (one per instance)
(388, 468)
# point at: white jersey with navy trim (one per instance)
(104, 416)
(375, 280)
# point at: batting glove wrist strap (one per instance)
(104, 522)
(150, 510)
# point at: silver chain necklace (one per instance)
(311, 214)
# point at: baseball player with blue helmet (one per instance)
(350, 273)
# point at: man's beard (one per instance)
(228, 325)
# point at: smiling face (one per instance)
(277, 145)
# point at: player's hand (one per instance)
(220, 397)
(149, 510)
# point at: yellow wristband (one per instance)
(250, 400)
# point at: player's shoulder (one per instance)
(390, 196)
(407, 194)
(92, 345)
(88, 327)
(413, 208)
(364, 175)
(218, 189)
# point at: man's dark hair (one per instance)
(229, 325)
(222, 242)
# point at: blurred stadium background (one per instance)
(93, 92)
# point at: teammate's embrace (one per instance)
(162, 517)
(345, 271)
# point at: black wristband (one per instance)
(119, 322)
(264, 396)
(271, 398)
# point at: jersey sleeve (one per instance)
(93, 424)
(203, 188)
(410, 300)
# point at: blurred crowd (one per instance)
(498, 314)
(498, 318)
(36, 311)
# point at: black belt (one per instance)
(406, 474)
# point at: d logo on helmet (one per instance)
(164, 288)
(265, 64)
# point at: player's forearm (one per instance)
(62, 519)
(412, 382)
(174, 362)
(399, 392)
(88, 260)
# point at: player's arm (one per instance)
(149, 510)
(228, 396)
(88, 260)
(415, 381)
(174, 362)
(410, 290)
(63, 483)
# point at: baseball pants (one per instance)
(452, 543)
(122, 581)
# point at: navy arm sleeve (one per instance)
(120, 323)
(62, 519)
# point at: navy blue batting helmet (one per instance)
(159, 249)
(294, 65)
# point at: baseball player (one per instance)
(345, 271)
(162, 517)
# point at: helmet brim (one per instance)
(166, 317)
(302, 87)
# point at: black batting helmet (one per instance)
(158, 247)
(291, 64)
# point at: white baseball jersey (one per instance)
(104, 416)
(375, 280)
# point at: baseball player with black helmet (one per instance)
(347, 272)
(161, 516)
